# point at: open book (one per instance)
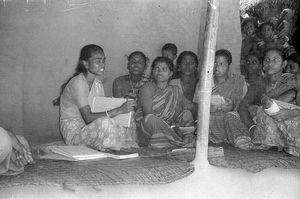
(77, 152)
(102, 104)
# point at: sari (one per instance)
(232, 89)
(282, 134)
(8, 155)
(269, 132)
(103, 133)
(167, 110)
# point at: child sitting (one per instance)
(169, 50)
(253, 68)
(270, 40)
(249, 26)
(267, 32)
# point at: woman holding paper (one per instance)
(276, 123)
(160, 108)
(227, 92)
(78, 124)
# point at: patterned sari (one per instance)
(283, 134)
(232, 89)
(167, 109)
(8, 156)
(103, 133)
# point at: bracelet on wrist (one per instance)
(251, 127)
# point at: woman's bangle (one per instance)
(252, 126)
(107, 114)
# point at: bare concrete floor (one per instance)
(206, 182)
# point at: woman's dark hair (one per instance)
(278, 50)
(268, 23)
(163, 60)
(295, 57)
(170, 47)
(224, 53)
(137, 53)
(249, 20)
(254, 54)
(85, 53)
(186, 53)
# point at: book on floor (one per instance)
(120, 155)
(102, 104)
(77, 152)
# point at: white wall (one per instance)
(229, 33)
(40, 43)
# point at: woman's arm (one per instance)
(22, 153)
(291, 83)
(145, 98)
(284, 114)
(248, 100)
(89, 117)
(288, 96)
(117, 88)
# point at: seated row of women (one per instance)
(161, 105)
(242, 111)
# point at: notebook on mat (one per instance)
(121, 154)
(78, 152)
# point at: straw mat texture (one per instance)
(255, 161)
(101, 172)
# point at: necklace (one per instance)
(133, 87)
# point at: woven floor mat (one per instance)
(101, 172)
(255, 161)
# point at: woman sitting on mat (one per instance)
(276, 123)
(227, 92)
(187, 63)
(78, 124)
(161, 107)
(14, 153)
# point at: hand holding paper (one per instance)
(128, 106)
(102, 104)
(217, 100)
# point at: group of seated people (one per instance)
(267, 32)
(163, 98)
(160, 96)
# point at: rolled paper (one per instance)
(273, 109)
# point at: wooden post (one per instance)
(205, 81)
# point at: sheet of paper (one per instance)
(77, 152)
(102, 104)
(217, 100)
